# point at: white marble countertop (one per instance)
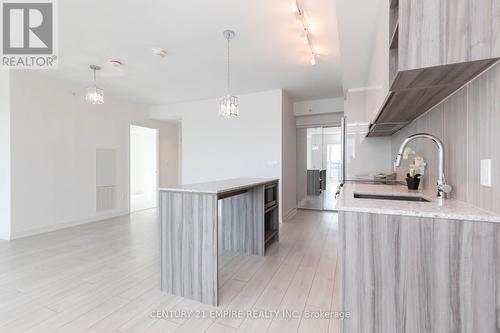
(222, 186)
(449, 209)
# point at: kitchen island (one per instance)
(412, 266)
(194, 232)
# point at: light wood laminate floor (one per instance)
(104, 277)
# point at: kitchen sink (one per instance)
(390, 197)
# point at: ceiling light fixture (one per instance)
(313, 59)
(228, 104)
(94, 94)
(306, 37)
(303, 18)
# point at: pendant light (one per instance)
(228, 104)
(94, 94)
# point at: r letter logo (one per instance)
(28, 34)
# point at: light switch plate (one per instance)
(486, 173)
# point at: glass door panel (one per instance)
(332, 163)
(318, 167)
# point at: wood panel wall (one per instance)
(469, 125)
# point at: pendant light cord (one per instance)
(228, 67)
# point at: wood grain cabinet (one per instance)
(436, 46)
(414, 274)
(199, 222)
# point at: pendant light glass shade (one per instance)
(229, 105)
(94, 94)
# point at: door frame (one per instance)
(157, 178)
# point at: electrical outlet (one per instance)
(486, 173)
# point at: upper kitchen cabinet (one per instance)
(436, 46)
(442, 32)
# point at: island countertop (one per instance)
(222, 186)
(450, 208)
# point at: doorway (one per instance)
(143, 168)
(319, 166)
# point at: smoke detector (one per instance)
(115, 63)
(159, 52)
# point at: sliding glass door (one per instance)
(319, 166)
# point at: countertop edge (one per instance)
(258, 182)
(457, 217)
(476, 214)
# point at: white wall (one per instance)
(214, 148)
(319, 112)
(289, 158)
(249, 146)
(54, 137)
(369, 155)
(366, 81)
(320, 120)
(378, 74)
(363, 155)
(319, 106)
(5, 200)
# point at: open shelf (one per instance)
(271, 221)
(270, 208)
(269, 235)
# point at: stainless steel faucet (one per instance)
(443, 188)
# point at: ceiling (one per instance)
(267, 53)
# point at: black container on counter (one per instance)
(413, 183)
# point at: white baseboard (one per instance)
(291, 213)
(50, 228)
